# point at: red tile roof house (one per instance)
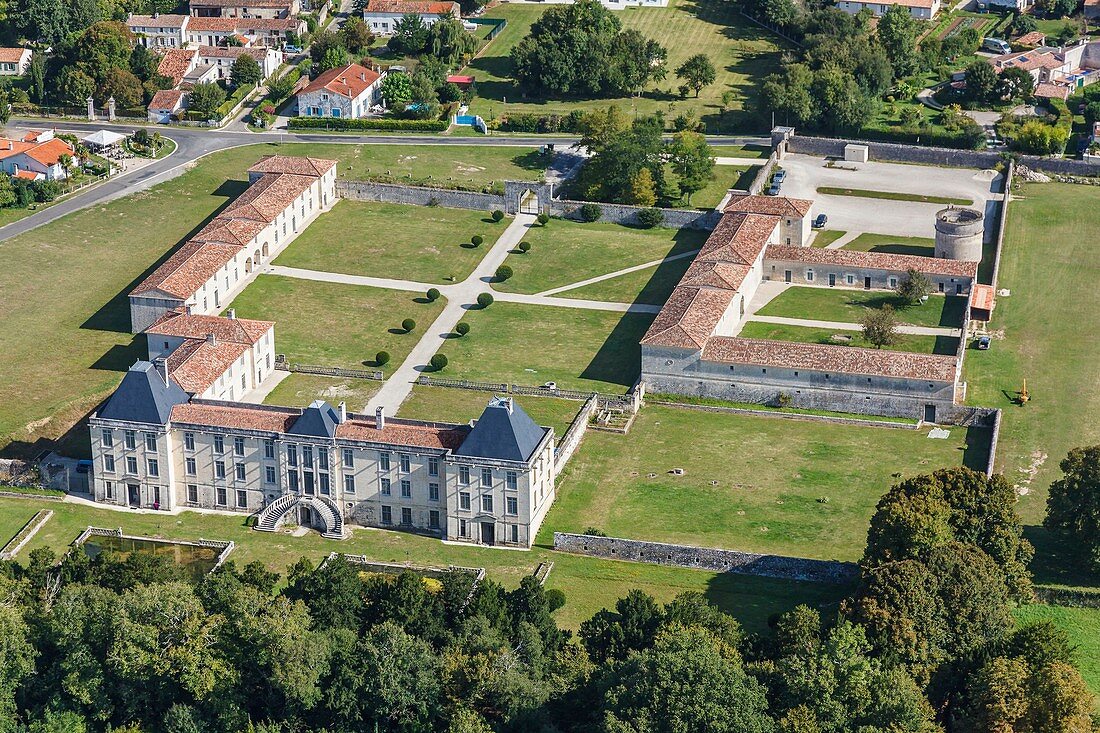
(245, 8)
(14, 61)
(271, 32)
(165, 104)
(35, 157)
(691, 348)
(920, 9)
(207, 271)
(347, 91)
(159, 31)
(382, 16)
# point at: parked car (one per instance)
(996, 45)
(552, 386)
(780, 176)
(820, 221)
(773, 190)
(983, 343)
(292, 49)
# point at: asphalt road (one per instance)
(193, 143)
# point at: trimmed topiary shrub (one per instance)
(477, 240)
(542, 219)
(432, 294)
(462, 328)
(524, 247)
(497, 215)
(382, 358)
(591, 212)
(485, 300)
(503, 273)
(438, 361)
(650, 218)
(408, 324)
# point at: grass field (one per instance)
(891, 244)
(946, 345)
(566, 252)
(1083, 627)
(424, 244)
(333, 324)
(825, 237)
(849, 306)
(648, 286)
(12, 521)
(531, 344)
(298, 390)
(754, 484)
(725, 178)
(589, 584)
(445, 404)
(893, 196)
(742, 53)
(741, 151)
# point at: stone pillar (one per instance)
(111, 109)
(91, 108)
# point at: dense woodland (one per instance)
(925, 643)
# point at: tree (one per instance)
(635, 61)
(408, 325)
(245, 71)
(497, 215)
(410, 35)
(424, 102)
(1015, 84)
(123, 86)
(692, 161)
(462, 328)
(206, 97)
(502, 273)
(697, 72)
(897, 31)
(1023, 23)
(438, 362)
(382, 358)
(432, 294)
(17, 656)
(396, 89)
(1039, 138)
(355, 35)
(321, 44)
(485, 300)
(143, 63)
(280, 88)
(914, 287)
(7, 190)
(632, 627)
(1073, 505)
(981, 82)
(36, 74)
(524, 247)
(334, 58)
(880, 326)
(650, 218)
(789, 94)
(1057, 8)
(642, 190)
(477, 240)
(74, 86)
(101, 47)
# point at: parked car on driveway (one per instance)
(983, 343)
(820, 221)
(780, 176)
(773, 190)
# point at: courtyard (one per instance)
(833, 304)
(443, 404)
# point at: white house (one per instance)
(157, 30)
(920, 9)
(166, 103)
(347, 91)
(37, 156)
(245, 8)
(248, 31)
(14, 61)
(382, 16)
(221, 59)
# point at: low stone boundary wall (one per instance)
(658, 400)
(570, 441)
(25, 534)
(763, 174)
(1072, 597)
(624, 214)
(394, 193)
(728, 561)
(1002, 222)
(991, 462)
(21, 495)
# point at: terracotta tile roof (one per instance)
(166, 99)
(231, 25)
(725, 275)
(49, 152)
(230, 231)
(232, 52)
(772, 205)
(229, 330)
(738, 238)
(196, 365)
(872, 260)
(982, 297)
(221, 415)
(265, 199)
(1027, 60)
(27, 175)
(187, 269)
(166, 20)
(1034, 38)
(12, 55)
(1046, 90)
(395, 433)
(347, 81)
(419, 7)
(301, 166)
(176, 63)
(240, 3)
(689, 317)
(828, 358)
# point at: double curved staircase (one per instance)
(328, 514)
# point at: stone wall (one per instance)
(729, 561)
(763, 174)
(392, 193)
(624, 214)
(1002, 222)
(569, 442)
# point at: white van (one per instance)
(996, 45)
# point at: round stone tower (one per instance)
(959, 234)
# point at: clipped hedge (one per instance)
(542, 123)
(342, 123)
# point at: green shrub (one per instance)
(477, 240)
(542, 219)
(591, 212)
(525, 247)
(433, 294)
(650, 218)
(503, 273)
(347, 123)
(497, 215)
(462, 328)
(438, 361)
(408, 324)
(382, 358)
(485, 300)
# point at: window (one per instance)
(387, 515)
(406, 516)
(323, 480)
(809, 276)
(239, 468)
(433, 492)
(486, 477)
(512, 505)
(192, 494)
(433, 519)
(131, 464)
(269, 474)
(130, 438)
(486, 502)
(383, 461)
(242, 499)
(189, 466)
(109, 488)
(220, 497)
(107, 439)
(348, 459)
(384, 486)
(307, 456)
(893, 282)
(109, 463)
(513, 533)
(156, 497)
(322, 458)
(269, 448)
(307, 481)
(404, 462)
(292, 455)
(349, 484)
(189, 441)
(464, 474)
(219, 444)
(219, 469)
(850, 279)
(292, 480)
(433, 466)
(462, 529)
(238, 446)
(511, 480)
(464, 500)
(151, 441)
(406, 490)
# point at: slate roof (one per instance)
(143, 397)
(503, 432)
(319, 419)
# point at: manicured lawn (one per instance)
(742, 53)
(892, 195)
(648, 286)
(11, 521)
(725, 178)
(566, 252)
(419, 243)
(741, 151)
(298, 390)
(891, 244)
(750, 483)
(531, 344)
(336, 325)
(849, 306)
(589, 584)
(1083, 627)
(445, 404)
(946, 345)
(825, 237)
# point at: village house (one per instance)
(245, 8)
(1057, 70)
(284, 195)
(166, 104)
(347, 91)
(920, 9)
(221, 59)
(37, 156)
(158, 30)
(14, 61)
(382, 16)
(247, 31)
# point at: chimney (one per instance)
(161, 365)
(508, 405)
(231, 313)
(380, 418)
(343, 412)
(362, 76)
(211, 339)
